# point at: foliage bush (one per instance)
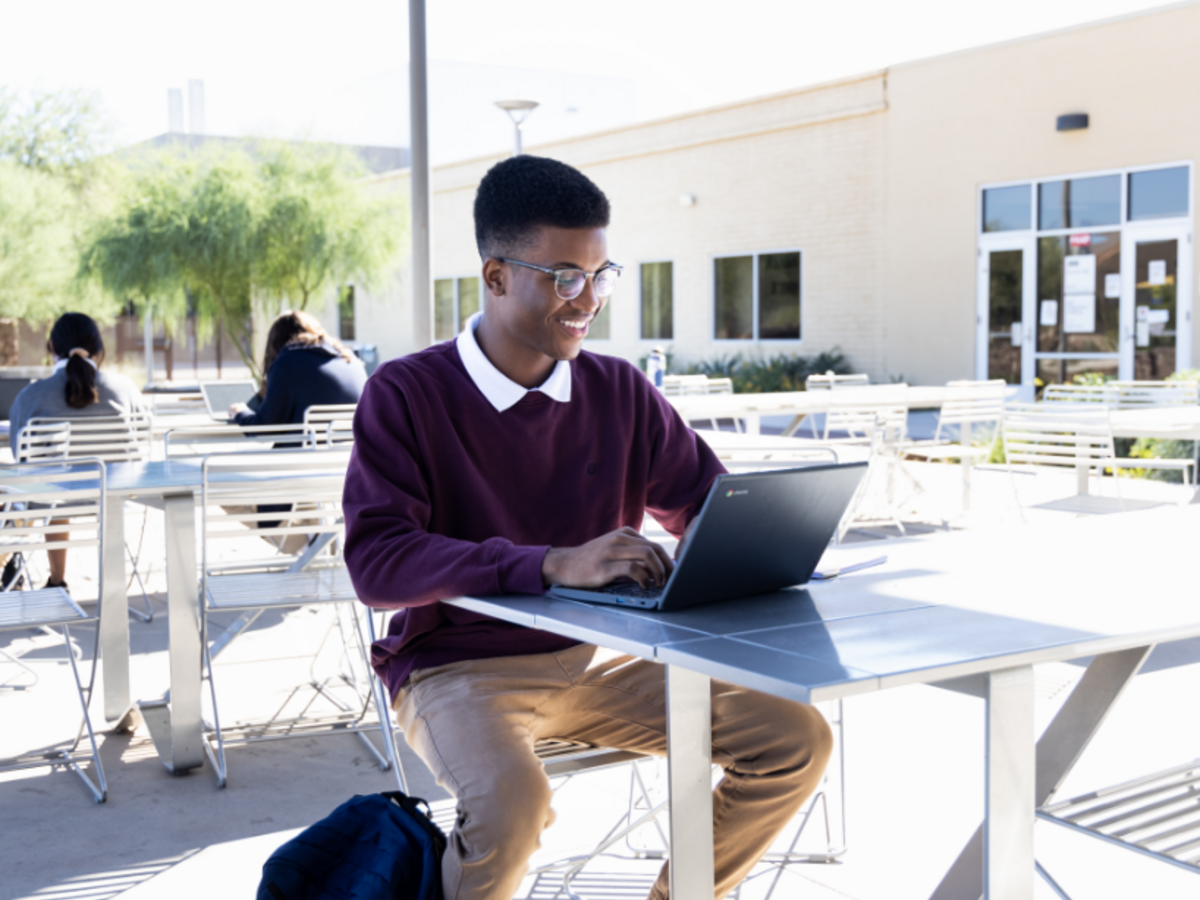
(1157, 448)
(761, 375)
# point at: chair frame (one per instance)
(48, 482)
(332, 424)
(307, 579)
(94, 437)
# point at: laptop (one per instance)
(757, 532)
(220, 395)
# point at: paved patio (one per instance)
(913, 759)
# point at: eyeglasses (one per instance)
(568, 283)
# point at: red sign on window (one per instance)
(1081, 240)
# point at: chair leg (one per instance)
(217, 758)
(100, 790)
(383, 710)
(148, 614)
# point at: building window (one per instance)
(1160, 194)
(1007, 209)
(454, 301)
(346, 312)
(1080, 202)
(658, 298)
(757, 297)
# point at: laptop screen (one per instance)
(220, 395)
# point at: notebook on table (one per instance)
(220, 395)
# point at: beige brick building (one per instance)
(948, 224)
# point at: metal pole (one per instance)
(517, 138)
(148, 345)
(422, 256)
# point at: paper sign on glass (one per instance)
(1079, 313)
(1143, 334)
(1158, 316)
(1112, 286)
(1079, 275)
(1158, 272)
(1049, 313)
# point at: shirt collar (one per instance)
(501, 391)
(62, 364)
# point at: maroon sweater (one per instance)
(447, 497)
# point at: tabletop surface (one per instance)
(943, 606)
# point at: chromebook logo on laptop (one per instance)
(732, 493)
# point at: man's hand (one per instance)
(235, 408)
(619, 554)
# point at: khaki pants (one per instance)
(475, 723)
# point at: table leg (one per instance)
(689, 766)
(1060, 746)
(753, 423)
(176, 727)
(1011, 772)
(114, 614)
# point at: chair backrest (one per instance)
(271, 495)
(216, 438)
(122, 438)
(1078, 393)
(1057, 434)
(332, 424)
(687, 385)
(35, 492)
(1144, 394)
(831, 381)
(971, 402)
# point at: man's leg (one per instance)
(472, 724)
(773, 751)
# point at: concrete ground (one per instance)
(913, 782)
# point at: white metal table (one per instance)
(966, 611)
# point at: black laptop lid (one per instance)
(760, 531)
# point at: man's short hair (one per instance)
(524, 193)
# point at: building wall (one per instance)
(799, 170)
(874, 178)
(988, 115)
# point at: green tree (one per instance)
(242, 234)
(56, 132)
(319, 227)
(37, 249)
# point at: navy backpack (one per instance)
(377, 847)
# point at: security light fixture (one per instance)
(1073, 122)
(518, 111)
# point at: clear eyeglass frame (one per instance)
(568, 282)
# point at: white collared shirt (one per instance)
(501, 391)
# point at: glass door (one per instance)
(1158, 317)
(1078, 306)
(1004, 341)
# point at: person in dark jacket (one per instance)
(303, 366)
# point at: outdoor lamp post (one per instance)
(518, 111)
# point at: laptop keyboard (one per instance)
(630, 589)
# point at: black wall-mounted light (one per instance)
(1072, 121)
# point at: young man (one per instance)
(507, 460)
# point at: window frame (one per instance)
(457, 279)
(641, 318)
(756, 339)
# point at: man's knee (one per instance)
(502, 825)
(797, 738)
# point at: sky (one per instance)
(264, 63)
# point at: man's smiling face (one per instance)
(535, 327)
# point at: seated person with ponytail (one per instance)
(77, 389)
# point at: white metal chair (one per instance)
(303, 497)
(1075, 436)
(876, 501)
(122, 438)
(215, 438)
(832, 381)
(331, 424)
(694, 385)
(1126, 394)
(1156, 815)
(77, 495)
